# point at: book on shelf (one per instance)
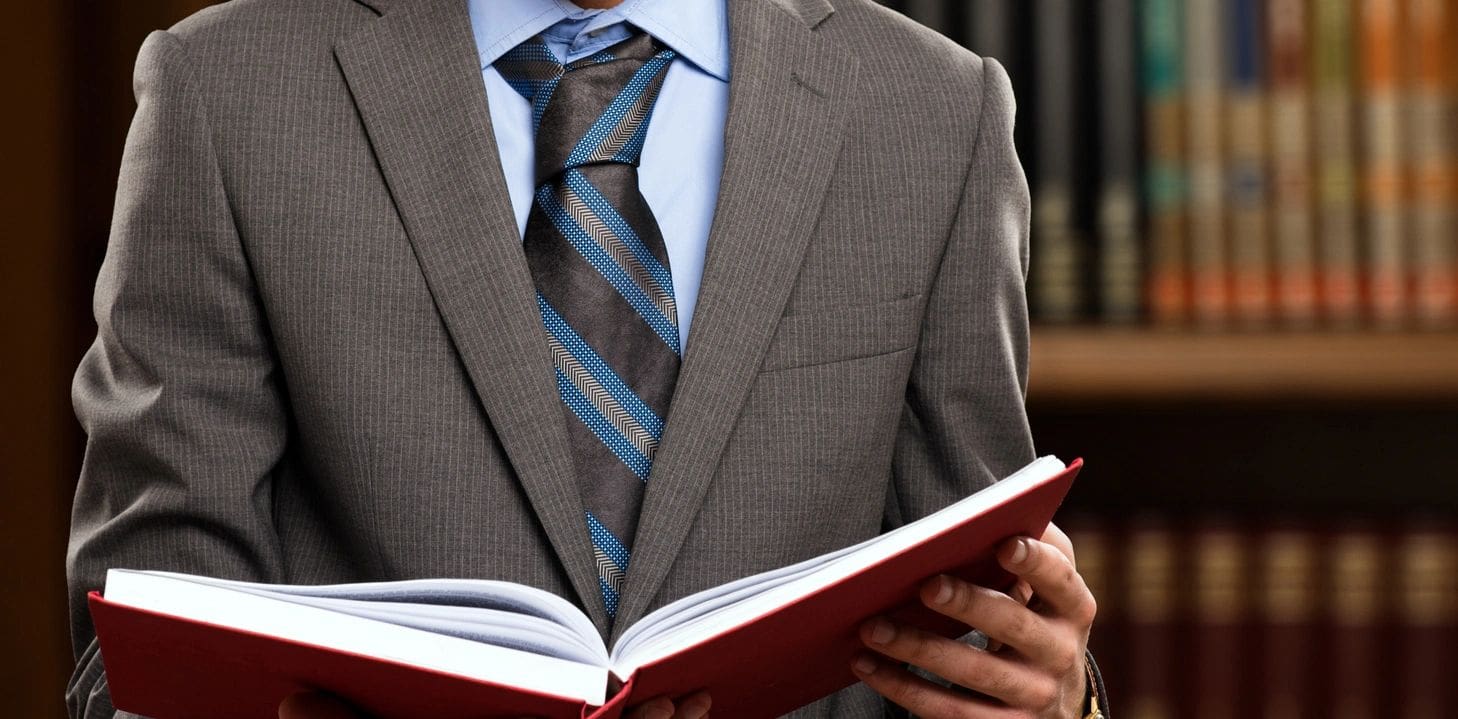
(1358, 603)
(1433, 154)
(1287, 602)
(1057, 289)
(1120, 235)
(1219, 600)
(1151, 598)
(1386, 244)
(180, 645)
(1248, 153)
(1205, 60)
(1166, 174)
(1334, 104)
(1427, 615)
(1294, 242)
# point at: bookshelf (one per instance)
(1076, 365)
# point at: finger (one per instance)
(996, 676)
(314, 705)
(1056, 583)
(1058, 538)
(1001, 618)
(921, 697)
(1022, 594)
(655, 708)
(695, 706)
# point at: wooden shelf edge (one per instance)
(1078, 364)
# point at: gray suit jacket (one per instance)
(318, 357)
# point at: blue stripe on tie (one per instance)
(540, 99)
(609, 598)
(619, 107)
(585, 191)
(610, 270)
(608, 543)
(605, 376)
(602, 428)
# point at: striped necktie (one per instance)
(602, 275)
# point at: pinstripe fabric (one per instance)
(601, 271)
(319, 355)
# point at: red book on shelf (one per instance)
(183, 646)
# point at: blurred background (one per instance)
(1245, 262)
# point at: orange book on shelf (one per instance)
(1433, 134)
(1386, 241)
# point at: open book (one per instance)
(178, 645)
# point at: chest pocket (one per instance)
(845, 333)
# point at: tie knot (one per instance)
(590, 111)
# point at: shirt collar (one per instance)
(696, 29)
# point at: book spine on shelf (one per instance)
(1290, 116)
(1152, 591)
(1248, 182)
(1204, 71)
(991, 29)
(1288, 578)
(1386, 242)
(1434, 159)
(1358, 591)
(1427, 637)
(1220, 599)
(1165, 181)
(1097, 562)
(1057, 257)
(1120, 239)
(1336, 161)
(931, 13)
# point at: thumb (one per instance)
(314, 705)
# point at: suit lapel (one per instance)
(782, 136)
(416, 81)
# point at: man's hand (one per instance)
(694, 706)
(1035, 666)
(312, 705)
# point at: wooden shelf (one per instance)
(1083, 364)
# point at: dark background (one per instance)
(1274, 435)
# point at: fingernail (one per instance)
(944, 591)
(882, 631)
(698, 708)
(660, 712)
(865, 665)
(1020, 551)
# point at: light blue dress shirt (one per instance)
(683, 154)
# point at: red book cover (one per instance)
(166, 667)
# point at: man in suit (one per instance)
(404, 288)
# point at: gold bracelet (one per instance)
(1094, 712)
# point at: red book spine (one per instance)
(1220, 601)
(1427, 634)
(1358, 594)
(1153, 596)
(1288, 574)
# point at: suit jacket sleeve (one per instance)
(179, 395)
(963, 425)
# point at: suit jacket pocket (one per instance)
(844, 333)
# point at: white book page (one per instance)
(654, 644)
(209, 602)
(482, 593)
(424, 601)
